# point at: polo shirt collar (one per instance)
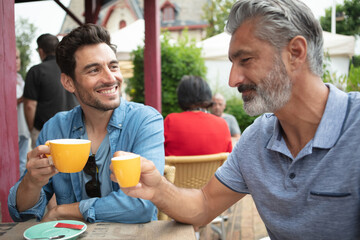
(332, 121)
(329, 129)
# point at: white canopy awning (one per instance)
(339, 45)
(216, 47)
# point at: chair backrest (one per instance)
(195, 171)
(169, 174)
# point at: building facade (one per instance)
(175, 16)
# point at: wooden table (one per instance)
(160, 230)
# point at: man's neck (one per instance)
(96, 126)
(301, 117)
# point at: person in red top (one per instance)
(194, 131)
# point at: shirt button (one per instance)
(292, 175)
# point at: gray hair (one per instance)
(279, 21)
(219, 96)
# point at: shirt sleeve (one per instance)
(31, 84)
(37, 210)
(148, 141)
(234, 126)
(229, 173)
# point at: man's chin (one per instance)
(253, 108)
(109, 107)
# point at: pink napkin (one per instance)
(68, 225)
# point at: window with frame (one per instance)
(168, 14)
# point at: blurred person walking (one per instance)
(23, 131)
(44, 95)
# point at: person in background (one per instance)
(218, 107)
(195, 131)
(23, 131)
(300, 159)
(44, 96)
(91, 72)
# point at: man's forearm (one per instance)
(29, 111)
(195, 206)
(27, 195)
(174, 200)
(64, 212)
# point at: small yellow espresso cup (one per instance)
(69, 155)
(127, 169)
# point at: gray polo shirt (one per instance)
(313, 196)
(232, 123)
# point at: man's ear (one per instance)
(297, 52)
(41, 53)
(67, 82)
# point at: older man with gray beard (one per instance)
(300, 159)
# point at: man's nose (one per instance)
(237, 76)
(110, 76)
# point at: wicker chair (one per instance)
(169, 174)
(195, 171)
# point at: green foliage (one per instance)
(353, 80)
(349, 24)
(328, 77)
(25, 33)
(356, 61)
(216, 13)
(234, 106)
(177, 60)
(345, 83)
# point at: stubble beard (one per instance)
(272, 93)
(96, 103)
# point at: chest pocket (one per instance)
(331, 196)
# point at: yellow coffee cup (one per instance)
(127, 169)
(69, 155)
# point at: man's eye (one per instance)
(94, 70)
(245, 60)
(114, 67)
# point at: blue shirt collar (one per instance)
(118, 116)
(116, 120)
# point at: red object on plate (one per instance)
(68, 225)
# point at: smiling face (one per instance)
(258, 72)
(98, 79)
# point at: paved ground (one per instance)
(244, 223)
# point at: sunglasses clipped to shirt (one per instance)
(92, 187)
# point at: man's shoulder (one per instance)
(140, 108)
(262, 125)
(65, 116)
(35, 68)
(60, 125)
(228, 116)
(354, 97)
(43, 66)
(132, 110)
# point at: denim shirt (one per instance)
(133, 127)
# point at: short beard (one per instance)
(272, 93)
